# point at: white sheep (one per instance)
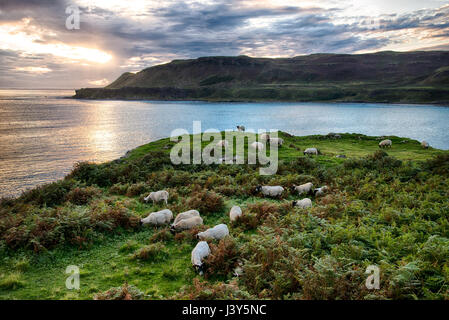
(303, 204)
(311, 151)
(222, 143)
(264, 137)
(218, 232)
(270, 191)
(200, 252)
(320, 191)
(425, 145)
(304, 188)
(186, 224)
(241, 128)
(235, 212)
(257, 145)
(157, 196)
(186, 215)
(278, 141)
(158, 218)
(385, 143)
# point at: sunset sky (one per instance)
(38, 51)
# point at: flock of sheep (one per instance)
(190, 219)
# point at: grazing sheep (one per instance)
(186, 215)
(342, 156)
(257, 145)
(270, 191)
(158, 218)
(186, 224)
(235, 212)
(425, 145)
(278, 141)
(222, 143)
(320, 191)
(304, 188)
(218, 232)
(385, 143)
(264, 137)
(311, 151)
(332, 135)
(241, 128)
(157, 196)
(200, 252)
(303, 204)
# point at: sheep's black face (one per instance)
(172, 230)
(294, 203)
(140, 223)
(258, 188)
(292, 188)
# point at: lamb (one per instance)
(257, 145)
(222, 143)
(235, 212)
(425, 145)
(278, 141)
(157, 196)
(385, 143)
(311, 151)
(218, 232)
(241, 128)
(264, 137)
(186, 215)
(303, 204)
(304, 188)
(200, 252)
(320, 191)
(158, 218)
(270, 191)
(186, 224)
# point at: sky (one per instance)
(38, 50)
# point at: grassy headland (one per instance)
(390, 77)
(386, 210)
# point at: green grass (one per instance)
(378, 212)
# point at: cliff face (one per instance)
(399, 76)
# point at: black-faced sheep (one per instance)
(385, 144)
(257, 145)
(313, 151)
(241, 128)
(222, 143)
(158, 218)
(303, 204)
(235, 212)
(304, 188)
(425, 145)
(186, 224)
(264, 137)
(157, 196)
(278, 141)
(186, 215)
(200, 252)
(320, 191)
(218, 232)
(270, 191)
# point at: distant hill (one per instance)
(379, 77)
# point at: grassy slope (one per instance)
(106, 263)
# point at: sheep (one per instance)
(385, 143)
(270, 191)
(425, 144)
(200, 252)
(235, 212)
(264, 137)
(158, 218)
(186, 224)
(222, 143)
(257, 145)
(303, 204)
(157, 196)
(218, 232)
(186, 215)
(342, 156)
(320, 191)
(311, 151)
(304, 188)
(278, 141)
(241, 128)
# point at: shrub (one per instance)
(51, 194)
(203, 290)
(438, 165)
(125, 292)
(223, 257)
(152, 252)
(206, 202)
(136, 189)
(247, 221)
(119, 189)
(189, 235)
(129, 246)
(82, 196)
(115, 217)
(161, 235)
(12, 281)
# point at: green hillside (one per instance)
(389, 210)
